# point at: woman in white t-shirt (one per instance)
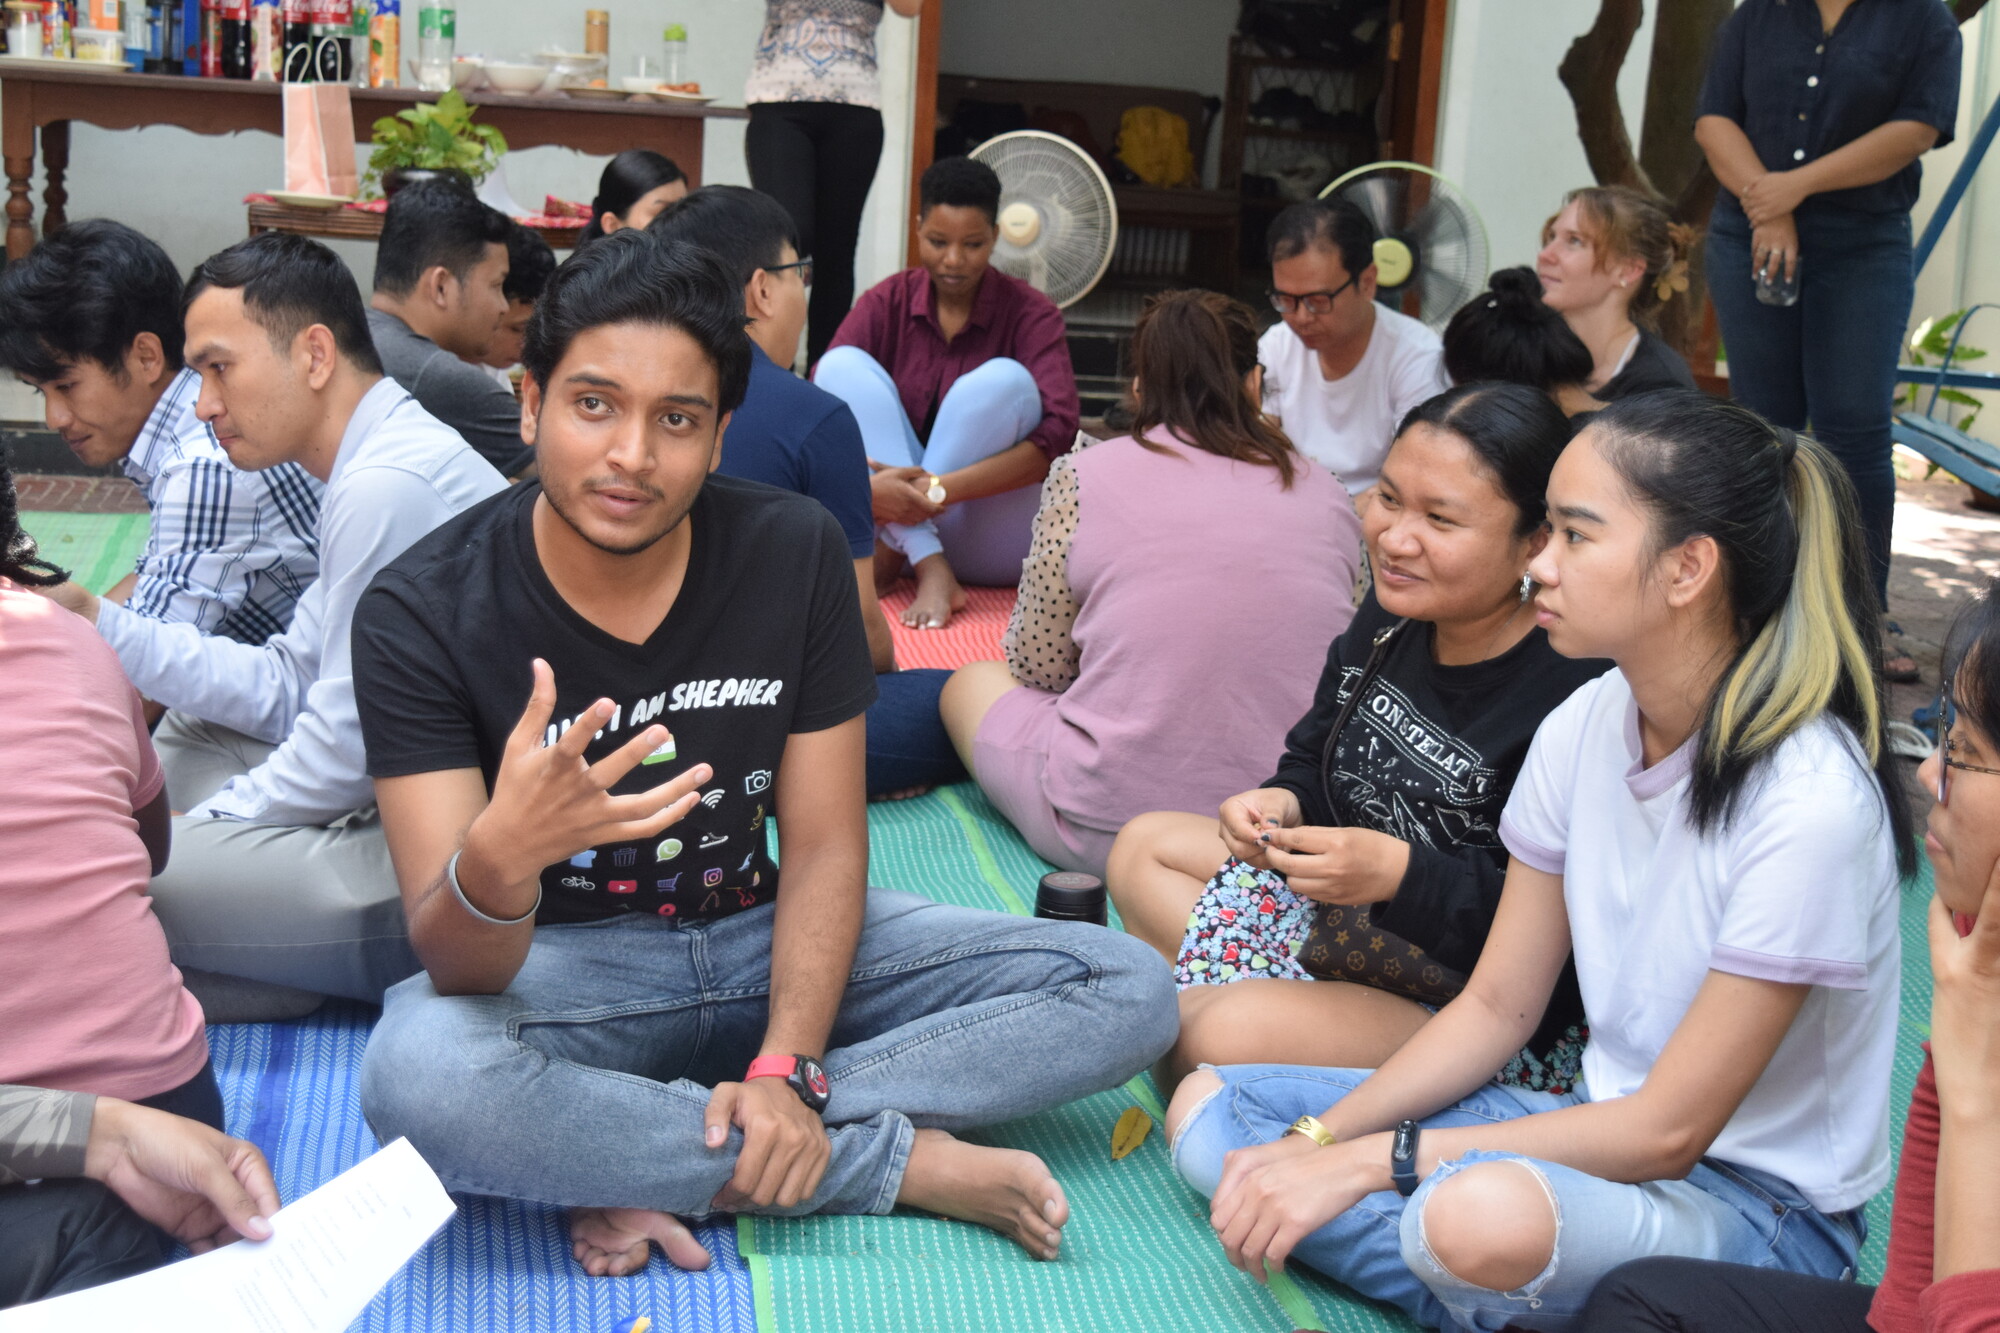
(1715, 830)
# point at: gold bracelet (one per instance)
(1310, 1127)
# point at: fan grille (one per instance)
(1434, 218)
(1079, 219)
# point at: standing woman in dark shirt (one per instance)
(1813, 117)
(1378, 835)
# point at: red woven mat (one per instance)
(972, 636)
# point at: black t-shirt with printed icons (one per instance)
(764, 640)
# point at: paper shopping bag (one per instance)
(319, 139)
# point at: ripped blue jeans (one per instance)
(1378, 1247)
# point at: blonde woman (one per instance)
(1610, 259)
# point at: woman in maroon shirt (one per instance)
(1943, 1274)
(961, 380)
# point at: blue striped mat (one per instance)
(293, 1089)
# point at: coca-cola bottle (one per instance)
(234, 22)
(298, 66)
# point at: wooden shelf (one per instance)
(1252, 130)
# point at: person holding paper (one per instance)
(280, 880)
(119, 1183)
(585, 702)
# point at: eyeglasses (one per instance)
(1316, 303)
(1947, 717)
(804, 266)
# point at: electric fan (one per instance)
(1432, 246)
(1058, 223)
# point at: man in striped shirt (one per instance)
(91, 319)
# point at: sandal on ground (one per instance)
(1899, 665)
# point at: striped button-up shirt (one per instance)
(231, 552)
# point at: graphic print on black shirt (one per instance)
(1429, 757)
(764, 640)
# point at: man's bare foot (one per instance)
(612, 1242)
(938, 595)
(906, 794)
(1002, 1188)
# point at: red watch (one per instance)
(803, 1074)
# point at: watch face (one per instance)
(813, 1085)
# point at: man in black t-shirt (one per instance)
(621, 1011)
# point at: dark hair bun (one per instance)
(1516, 290)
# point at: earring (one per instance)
(1527, 585)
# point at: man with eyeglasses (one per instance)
(1340, 370)
(792, 434)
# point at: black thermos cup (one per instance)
(1069, 895)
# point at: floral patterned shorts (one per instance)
(1249, 923)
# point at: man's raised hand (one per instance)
(548, 804)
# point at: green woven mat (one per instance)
(97, 549)
(1138, 1255)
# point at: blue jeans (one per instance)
(907, 743)
(987, 411)
(1830, 360)
(585, 1081)
(1378, 1246)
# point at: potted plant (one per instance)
(433, 139)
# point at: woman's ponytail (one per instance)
(1783, 514)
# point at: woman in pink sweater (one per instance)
(1943, 1274)
(1182, 587)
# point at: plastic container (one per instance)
(56, 30)
(267, 40)
(673, 54)
(437, 34)
(1774, 288)
(385, 43)
(1071, 895)
(24, 28)
(106, 48)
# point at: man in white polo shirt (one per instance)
(1340, 370)
(280, 876)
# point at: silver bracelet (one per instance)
(451, 877)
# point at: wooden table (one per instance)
(46, 101)
(356, 224)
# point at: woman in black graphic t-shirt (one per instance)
(1363, 877)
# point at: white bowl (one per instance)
(639, 83)
(467, 72)
(517, 79)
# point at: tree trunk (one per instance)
(1589, 70)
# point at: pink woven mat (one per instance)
(972, 636)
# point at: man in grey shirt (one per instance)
(438, 303)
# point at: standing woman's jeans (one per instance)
(1829, 361)
(818, 160)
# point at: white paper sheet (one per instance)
(328, 1255)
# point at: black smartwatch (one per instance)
(802, 1074)
(1403, 1158)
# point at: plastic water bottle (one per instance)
(437, 33)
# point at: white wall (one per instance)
(1965, 267)
(1506, 128)
(1155, 43)
(186, 190)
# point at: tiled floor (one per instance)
(78, 495)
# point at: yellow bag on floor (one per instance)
(1153, 141)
